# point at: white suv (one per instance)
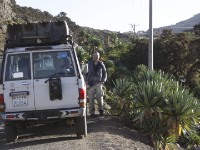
(41, 79)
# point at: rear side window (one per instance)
(57, 64)
(18, 67)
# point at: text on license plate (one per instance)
(20, 101)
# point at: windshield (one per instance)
(46, 64)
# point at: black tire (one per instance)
(11, 133)
(81, 127)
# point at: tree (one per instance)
(197, 29)
(62, 14)
(176, 54)
(136, 55)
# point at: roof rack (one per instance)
(38, 34)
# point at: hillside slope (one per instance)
(182, 25)
(13, 13)
(28, 14)
(6, 14)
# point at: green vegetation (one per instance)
(163, 103)
(159, 106)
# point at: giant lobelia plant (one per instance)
(160, 99)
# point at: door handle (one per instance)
(26, 83)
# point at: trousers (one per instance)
(95, 92)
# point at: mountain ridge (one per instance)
(181, 26)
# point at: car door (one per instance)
(55, 80)
(18, 83)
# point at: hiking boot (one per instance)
(101, 112)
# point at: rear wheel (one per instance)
(81, 127)
(11, 133)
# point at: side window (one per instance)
(18, 67)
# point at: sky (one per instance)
(118, 15)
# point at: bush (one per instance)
(159, 101)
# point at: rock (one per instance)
(5, 15)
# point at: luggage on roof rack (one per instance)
(33, 34)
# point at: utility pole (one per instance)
(150, 52)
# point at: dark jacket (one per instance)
(98, 70)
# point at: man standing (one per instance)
(96, 76)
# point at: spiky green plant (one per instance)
(122, 90)
(155, 128)
(82, 55)
(159, 95)
(181, 111)
(193, 140)
(148, 99)
(168, 143)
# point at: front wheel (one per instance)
(81, 127)
(11, 133)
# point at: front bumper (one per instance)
(44, 114)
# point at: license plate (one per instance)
(20, 101)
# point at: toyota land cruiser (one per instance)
(41, 78)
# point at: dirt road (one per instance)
(104, 133)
